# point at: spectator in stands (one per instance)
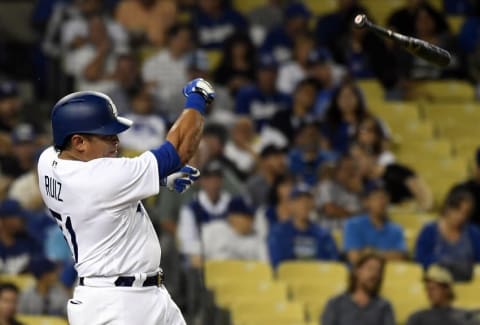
(373, 230)
(473, 186)
(402, 20)
(362, 303)
(308, 155)
(458, 7)
(328, 75)
(280, 40)
(430, 26)
(451, 241)
(211, 203)
(277, 209)
(469, 40)
(147, 20)
(241, 148)
(167, 69)
(46, 297)
(300, 238)
(10, 107)
(271, 165)
(127, 77)
(16, 247)
(295, 70)
(335, 26)
(237, 65)
(148, 130)
(93, 62)
(339, 197)
(234, 238)
(401, 182)
(285, 124)
(439, 288)
(8, 304)
(343, 117)
(262, 100)
(216, 21)
(373, 138)
(24, 147)
(263, 18)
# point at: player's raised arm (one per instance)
(185, 134)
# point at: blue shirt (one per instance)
(339, 137)
(212, 32)
(278, 44)
(259, 106)
(360, 233)
(459, 257)
(16, 258)
(469, 35)
(285, 242)
(307, 171)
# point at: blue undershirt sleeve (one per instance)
(168, 160)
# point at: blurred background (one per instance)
(340, 175)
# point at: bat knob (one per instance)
(360, 20)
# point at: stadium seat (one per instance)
(455, 23)
(389, 111)
(371, 88)
(268, 312)
(22, 281)
(476, 273)
(444, 91)
(214, 57)
(412, 131)
(413, 220)
(380, 11)
(41, 320)
(405, 296)
(466, 295)
(322, 7)
(401, 273)
(230, 293)
(232, 270)
(433, 149)
(293, 272)
(245, 6)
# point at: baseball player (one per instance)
(95, 198)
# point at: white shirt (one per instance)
(221, 242)
(188, 230)
(147, 132)
(97, 205)
(289, 75)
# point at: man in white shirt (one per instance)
(234, 238)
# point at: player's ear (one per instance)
(78, 142)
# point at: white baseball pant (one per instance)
(123, 306)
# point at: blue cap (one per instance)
(301, 190)
(11, 208)
(8, 89)
(240, 206)
(41, 266)
(319, 55)
(267, 61)
(23, 133)
(297, 9)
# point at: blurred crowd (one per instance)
(290, 151)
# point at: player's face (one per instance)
(101, 146)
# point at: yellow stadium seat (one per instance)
(412, 131)
(406, 297)
(371, 88)
(443, 91)
(245, 6)
(231, 293)
(476, 273)
(233, 270)
(268, 313)
(412, 220)
(391, 111)
(322, 7)
(466, 295)
(455, 23)
(433, 149)
(214, 58)
(437, 4)
(406, 306)
(337, 235)
(41, 320)
(380, 11)
(313, 272)
(22, 281)
(397, 273)
(315, 296)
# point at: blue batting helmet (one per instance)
(87, 112)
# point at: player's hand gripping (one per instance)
(202, 87)
(182, 180)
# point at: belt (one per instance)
(124, 281)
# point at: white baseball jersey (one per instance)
(97, 205)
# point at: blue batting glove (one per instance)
(181, 180)
(202, 87)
